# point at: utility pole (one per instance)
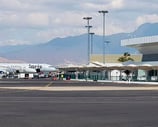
(88, 30)
(91, 42)
(103, 12)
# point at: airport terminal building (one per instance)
(145, 70)
(148, 46)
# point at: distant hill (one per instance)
(3, 60)
(73, 49)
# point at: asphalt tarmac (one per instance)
(112, 108)
(50, 82)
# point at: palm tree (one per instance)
(125, 57)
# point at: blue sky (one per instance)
(38, 21)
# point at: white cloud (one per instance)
(10, 4)
(42, 20)
(147, 18)
(111, 28)
(67, 19)
(47, 35)
(5, 17)
(117, 4)
(38, 19)
(102, 5)
(44, 36)
(28, 20)
(91, 6)
(15, 5)
(13, 42)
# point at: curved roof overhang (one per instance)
(145, 45)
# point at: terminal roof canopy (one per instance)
(113, 66)
(145, 45)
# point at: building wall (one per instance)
(150, 57)
(113, 58)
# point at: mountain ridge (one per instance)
(73, 49)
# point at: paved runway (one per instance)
(113, 108)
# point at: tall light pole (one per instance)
(105, 42)
(91, 44)
(88, 28)
(103, 12)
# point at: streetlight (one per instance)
(91, 42)
(88, 29)
(103, 12)
(105, 42)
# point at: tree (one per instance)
(125, 57)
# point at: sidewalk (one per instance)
(117, 81)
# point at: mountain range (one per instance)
(73, 49)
